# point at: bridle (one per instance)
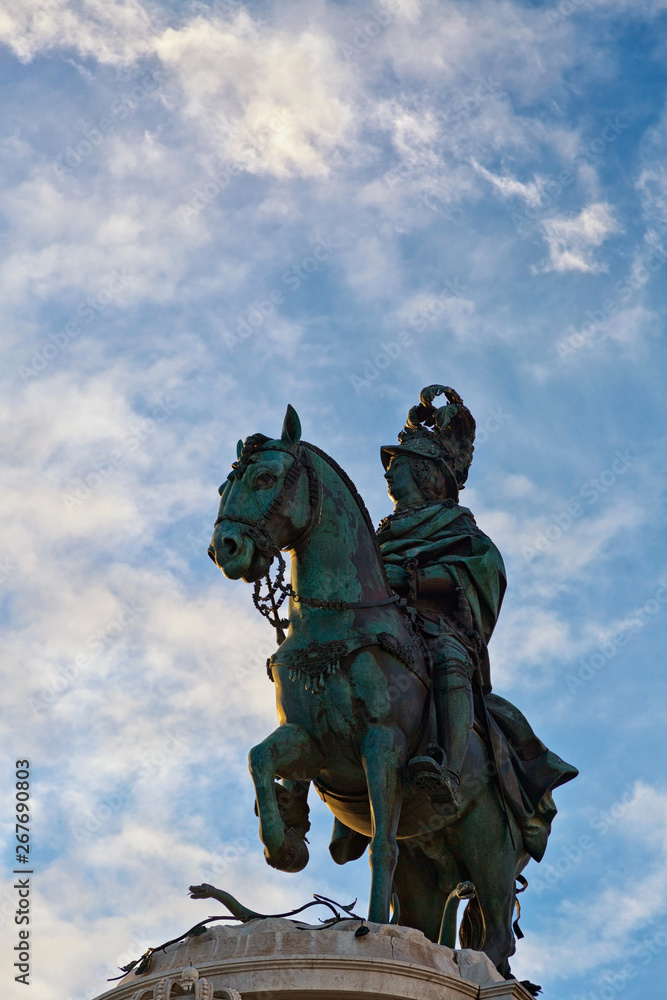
(277, 590)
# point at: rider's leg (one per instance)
(438, 770)
(454, 709)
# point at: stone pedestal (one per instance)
(278, 959)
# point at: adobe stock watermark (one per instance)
(471, 101)
(225, 6)
(237, 848)
(41, 16)
(590, 492)
(613, 127)
(572, 854)
(391, 350)
(597, 319)
(136, 946)
(71, 157)
(370, 26)
(98, 643)
(7, 907)
(552, 189)
(612, 983)
(149, 766)
(203, 195)
(7, 569)
(85, 486)
(564, 9)
(87, 310)
(466, 105)
(208, 191)
(471, 785)
(591, 665)
(251, 319)
(233, 851)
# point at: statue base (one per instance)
(279, 959)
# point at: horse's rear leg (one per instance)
(492, 862)
(384, 757)
(422, 883)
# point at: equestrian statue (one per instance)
(382, 678)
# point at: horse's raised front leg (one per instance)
(289, 752)
(384, 758)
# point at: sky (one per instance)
(211, 210)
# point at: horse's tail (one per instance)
(472, 933)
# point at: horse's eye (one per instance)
(264, 481)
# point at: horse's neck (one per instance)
(338, 559)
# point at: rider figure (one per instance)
(450, 572)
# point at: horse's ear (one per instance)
(239, 447)
(291, 434)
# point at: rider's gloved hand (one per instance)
(398, 578)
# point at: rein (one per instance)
(324, 605)
(277, 590)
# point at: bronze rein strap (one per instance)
(324, 605)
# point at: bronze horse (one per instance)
(353, 703)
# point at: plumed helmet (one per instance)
(444, 434)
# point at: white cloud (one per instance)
(114, 33)
(286, 112)
(602, 933)
(510, 187)
(551, 553)
(646, 818)
(518, 486)
(572, 240)
(527, 640)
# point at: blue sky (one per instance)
(209, 210)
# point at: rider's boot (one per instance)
(458, 722)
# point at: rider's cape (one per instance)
(528, 772)
(445, 540)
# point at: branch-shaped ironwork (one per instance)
(243, 914)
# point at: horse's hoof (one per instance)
(293, 855)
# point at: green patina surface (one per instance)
(383, 682)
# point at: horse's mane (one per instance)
(355, 494)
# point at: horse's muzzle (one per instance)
(236, 553)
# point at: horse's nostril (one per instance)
(230, 544)
(211, 553)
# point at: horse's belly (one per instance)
(418, 818)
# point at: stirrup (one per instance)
(429, 770)
(445, 799)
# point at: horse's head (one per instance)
(264, 504)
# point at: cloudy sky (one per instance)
(209, 210)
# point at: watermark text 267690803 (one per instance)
(22, 811)
(22, 885)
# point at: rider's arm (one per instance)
(433, 582)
